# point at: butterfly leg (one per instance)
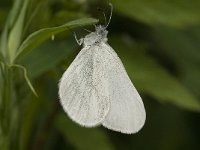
(86, 29)
(80, 41)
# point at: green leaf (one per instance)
(47, 56)
(82, 138)
(3, 44)
(40, 36)
(151, 78)
(3, 15)
(11, 19)
(1, 85)
(176, 13)
(26, 78)
(1, 57)
(15, 11)
(181, 46)
(15, 35)
(31, 114)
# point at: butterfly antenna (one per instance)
(105, 18)
(104, 15)
(111, 10)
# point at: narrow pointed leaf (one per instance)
(16, 32)
(49, 55)
(26, 78)
(176, 13)
(151, 78)
(40, 36)
(82, 138)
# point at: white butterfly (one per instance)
(95, 89)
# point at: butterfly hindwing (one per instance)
(127, 113)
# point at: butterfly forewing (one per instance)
(83, 88)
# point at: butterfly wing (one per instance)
(83, 89)
(127, 113)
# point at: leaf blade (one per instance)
(151, 78)
(167, 12)
(40, 36)
(26, 77)
(82, 138)
(46, 55)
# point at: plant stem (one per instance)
(5, 105)
(6, 98)
(10, 114)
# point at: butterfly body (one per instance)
(95, 38)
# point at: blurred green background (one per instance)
(158, 42)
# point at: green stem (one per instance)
(5, 99)
(5, 104)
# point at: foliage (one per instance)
(158, 42)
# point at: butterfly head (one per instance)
(94, 38)
(100, 34)
(101, 29)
